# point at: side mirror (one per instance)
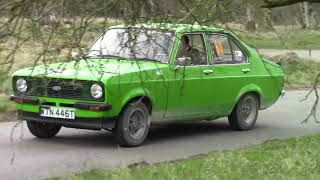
(183, 61)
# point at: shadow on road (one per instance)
(172, 132)
(80, 139)
(175, 131)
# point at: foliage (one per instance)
(6, 106)
(298, 72)
(279, 3)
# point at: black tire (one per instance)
(245, 113)
(124, 132)
(43, 130)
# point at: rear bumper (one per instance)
(79, 123)
(283, 93)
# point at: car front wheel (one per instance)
(133, 125)
(43, 130)
(245, 113)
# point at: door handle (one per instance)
(208, 71)
(246, 70)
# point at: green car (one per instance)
(134, 76)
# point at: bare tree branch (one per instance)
(313, 111)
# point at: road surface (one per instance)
(306, 54)
(77, 150)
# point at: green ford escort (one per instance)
(134, 76)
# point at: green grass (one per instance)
(283, 39)
(298, 72)
(6, 106)
(296, 158)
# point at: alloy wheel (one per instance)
(137, 124)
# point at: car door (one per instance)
(231, 72)
(186, 97)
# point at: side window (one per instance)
(221, 50)
(225, 50)
(238, 55)
(192, 46)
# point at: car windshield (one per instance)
(135, 44)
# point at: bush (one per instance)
(298, 72)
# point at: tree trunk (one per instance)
(251, 23)
(305, 15)
(35, 20)
(266, 22)
(313, 17)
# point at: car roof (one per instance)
(179, 28)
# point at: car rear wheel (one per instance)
(245, 113)
(133, 125)
(43, 130)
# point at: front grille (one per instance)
(58, 88)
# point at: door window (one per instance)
(225, 51)
(192, 46)
(238, 55)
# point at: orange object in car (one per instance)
(218, 48)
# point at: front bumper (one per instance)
(79, 123)
(78, 105)
(89, 115)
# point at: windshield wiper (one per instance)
(119, 57)
(146, 59)
(106, 56)
(109, 56)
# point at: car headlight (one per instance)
(21, 85)
(96, 91)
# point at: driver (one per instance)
(188, 51)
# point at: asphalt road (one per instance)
(76, 150)
(306, 54)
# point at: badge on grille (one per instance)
(56, 88)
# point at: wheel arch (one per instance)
(249, 89)
(136, 95)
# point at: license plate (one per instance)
(54, 112)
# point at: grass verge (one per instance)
(296, 158)
(283, 39)
(299, 73)
(6, 106)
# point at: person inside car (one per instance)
(189, 51)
